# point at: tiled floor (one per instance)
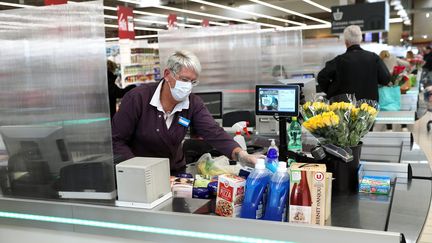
(424, 139)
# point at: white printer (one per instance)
(143, 182)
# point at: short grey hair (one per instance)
(183, 59)
(352, 35)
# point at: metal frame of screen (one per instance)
(296, 88)
(218, 116)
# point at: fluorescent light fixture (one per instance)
(401, 40)
(425, 36)
(218, 17)
(112, 39)
(178, 17)
(208, 15)
(145, 36)
(110, 17)
(247, 12)
(289, 11)
(163, 23)
(407, 22)
(308, 27)
(16, 5)
(318, 5)
(410, 38)
(148, 29)
(166, 16)
(395, 20)
(149, 3)
(427, 15)
(111, 26)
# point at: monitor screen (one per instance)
(213, 102)
(303, 75)
(35, 143)
(280, 100)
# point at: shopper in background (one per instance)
(114, 92)
(391, 61)
(153, 119)
(427, 67)
(356, 71)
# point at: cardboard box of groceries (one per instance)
(230, 195)
(308, 193)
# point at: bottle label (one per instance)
(259, 211)
(300, 214)
(295, 176)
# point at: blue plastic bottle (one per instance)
(272, 157)
(256, 187)
(278, 195)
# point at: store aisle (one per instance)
(424, 139)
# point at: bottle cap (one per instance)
(294, 118)
(238, 132)
(272, 142)
(260, 165)
(282, 167)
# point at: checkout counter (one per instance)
(398, 217)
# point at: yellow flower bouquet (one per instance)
(339, 123)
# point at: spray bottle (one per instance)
(239, 127)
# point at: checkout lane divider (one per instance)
(137, 228)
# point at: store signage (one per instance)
(172, 21)
(371, 17)
(125, 20)
(55, 2)
(205, 23)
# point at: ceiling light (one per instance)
(112, 39)
(425, 36)
(246, 12)
(164, 23)
(308, 27)
(289, 11)
(203, 8)
(145, 36)
(427, 15)
(111, 26)
(149, 3)
(17, 5)
(148, 29)
(166, 16)
(401, 40)
(317, 5)
(217, 16)
(410, 38)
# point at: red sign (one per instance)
(125, 20)
(172, 21)
(205, 23)
(55, 2)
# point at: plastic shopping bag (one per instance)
(389, 98)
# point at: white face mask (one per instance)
(181, 91)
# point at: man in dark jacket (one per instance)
(356, 71)
(114, 92)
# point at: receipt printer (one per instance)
(143, 182)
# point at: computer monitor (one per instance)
(277, 100)
(213, 101)
(37, 143)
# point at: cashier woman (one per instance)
(153, 119)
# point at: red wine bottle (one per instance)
(301, 201)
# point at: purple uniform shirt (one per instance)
(139, 129)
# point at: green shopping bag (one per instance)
(389, 98)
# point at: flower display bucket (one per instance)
(345, 174)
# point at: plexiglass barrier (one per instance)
(236, 58)
(54, 116)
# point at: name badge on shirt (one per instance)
(183, 121)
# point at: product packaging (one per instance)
(230, 195)
(308, 193)
(182, 187)
(375, 185)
